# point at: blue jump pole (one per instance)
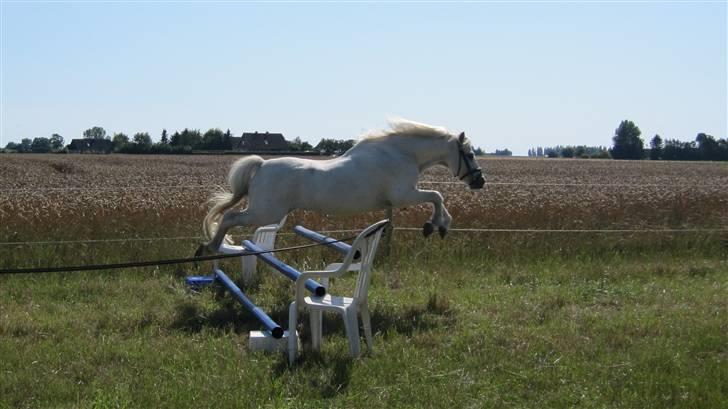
(285, 269)
(264, 319)
(317, 237)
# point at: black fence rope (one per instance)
(148, 263)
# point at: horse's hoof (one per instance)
(427, 229)
(442, 231)
(200, 251)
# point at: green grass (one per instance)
(472, 321)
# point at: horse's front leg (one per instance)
(440, 216)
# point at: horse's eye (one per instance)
(471, 156)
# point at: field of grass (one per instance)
(486, 319)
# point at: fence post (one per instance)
(388, 231)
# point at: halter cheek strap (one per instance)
(461, 159)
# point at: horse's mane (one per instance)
(404, 127)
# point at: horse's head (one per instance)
(464, 165)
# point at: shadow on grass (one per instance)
(326, 375)
(229, 315)
(407, 320)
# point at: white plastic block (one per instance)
(264, 341)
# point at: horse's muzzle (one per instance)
(477, 182)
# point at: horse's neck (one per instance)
(423, 152)
(426, 152)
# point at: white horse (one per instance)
(379, 172)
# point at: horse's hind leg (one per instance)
(247, 217)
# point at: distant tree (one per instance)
(723, 149)
(164, 139)
(327, 146)
(188, 137)
(56, 142)
(580, 151)
(708, 147)
(504, 152)
(213, 139)
(175, 139)
(142, 139)
(478, 151)
(627, 142)
(656, 148)
(192, 138)
(539, 151)
(334, 146)
(12, 146)
(25, 145)
(228, 140)
(120, 140)
(40, 145)
(678, 150)
(298, 145)
(601, 153)
(96, 132)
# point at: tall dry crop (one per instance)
(85, 197)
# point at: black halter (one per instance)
(463, 158)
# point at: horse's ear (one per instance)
(461, 138)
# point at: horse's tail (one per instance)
(238, 178)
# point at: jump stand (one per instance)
(273, 338)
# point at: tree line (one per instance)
(628, 144)
(570, 151)
(177, 143)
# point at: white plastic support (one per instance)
(264, 341)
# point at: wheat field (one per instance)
(77, 192)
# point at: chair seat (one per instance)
(329, 302)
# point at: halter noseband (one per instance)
(462, 158)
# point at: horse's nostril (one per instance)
(478, 183)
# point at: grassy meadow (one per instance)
(479, 319)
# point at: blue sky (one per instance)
(510, 75)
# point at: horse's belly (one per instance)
(342, 205)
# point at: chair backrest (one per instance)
(265, 238)
(366, 243)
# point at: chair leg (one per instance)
(367, 324)
(316, 329)
(248, 263)
(351, 323)
(292, 337)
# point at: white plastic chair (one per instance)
(349, 307)
(265, 238)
